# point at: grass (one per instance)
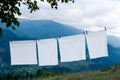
(85, 76)
(112, 73)
(107, 74)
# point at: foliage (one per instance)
(39, 73)
(112, 73)
(0, 31)
(10, 8)
(48, 74)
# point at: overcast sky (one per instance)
(89, 14)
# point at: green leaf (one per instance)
(13, 27)
(0, 32)
(10, 8)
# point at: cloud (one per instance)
(89, 13)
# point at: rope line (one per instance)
(105, 28)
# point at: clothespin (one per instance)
(11, 41)
(59, 37)
(86, 32)
(105, 28)
(83, 32)
(34, 39)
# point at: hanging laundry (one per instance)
(23, 52)
(72, 48)
(47, 52)
(97, 44)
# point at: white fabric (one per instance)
(97, 44)
(47, 52)
(23, 52)
(72, 48)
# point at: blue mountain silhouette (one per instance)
(42, 29)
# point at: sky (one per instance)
(90, 15)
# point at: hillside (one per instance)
(41, 29)
(112, 73)
(30, 30)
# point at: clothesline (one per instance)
(113, 27)
(85, 31)
(72, 48)
(105, 28)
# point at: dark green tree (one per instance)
(39, 73)
(16, 77)
(8, 76)
(10, 8)
(27, 76)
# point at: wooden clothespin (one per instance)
(83, 32)
(59, 37)
(86, 32)
(105, 28)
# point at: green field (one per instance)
(112, 73)
(85, 76)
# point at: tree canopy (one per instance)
(10, 8)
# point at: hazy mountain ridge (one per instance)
(47, 29)
(114, 41)
(42, 29)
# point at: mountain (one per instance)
(8, 36)
(114, 41)
(42, 29)
(29, 30)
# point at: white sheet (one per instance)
(23, 52)
(47, 52)
(97, 44)
(72, 48)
